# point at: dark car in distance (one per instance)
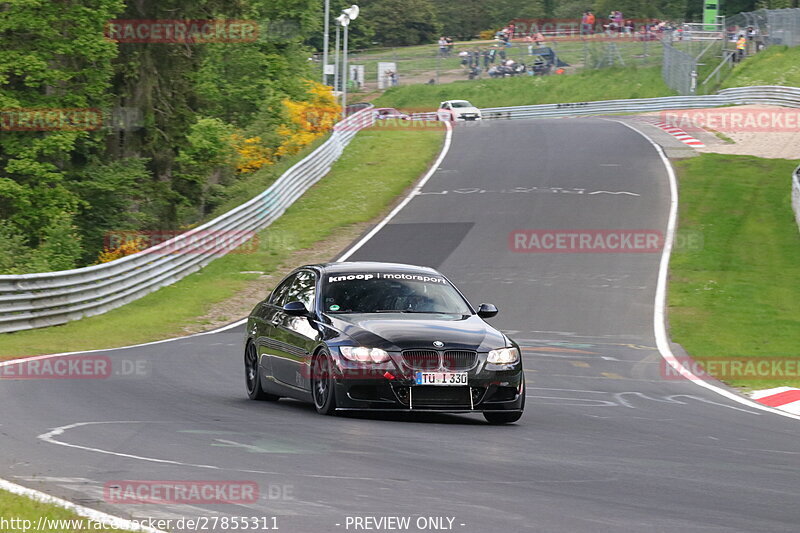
(381, 336)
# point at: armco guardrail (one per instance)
(796, 195)
(43, 299)
(767, 95)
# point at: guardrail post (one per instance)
(796, 195)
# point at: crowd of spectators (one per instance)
(613, 25)
(492, 60)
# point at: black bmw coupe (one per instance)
(381, 336)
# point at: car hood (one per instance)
(460, 110)
(402, 331)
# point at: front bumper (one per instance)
(391, 387)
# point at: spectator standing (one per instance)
(630, 27)
(442, 46)
(611, 26)
(741, 45)
(619, 21)
(465, 58)
(486, 59)
(503, 35)
(587, 23)
(450, 45)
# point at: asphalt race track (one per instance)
(607, 443)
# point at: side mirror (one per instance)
(295, 309)
(487, 311)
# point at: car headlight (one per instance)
(503, 356)
(364, 355)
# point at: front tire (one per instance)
(322, 383)
(253, 376)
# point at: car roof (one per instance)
(375, 266)
(453, 101)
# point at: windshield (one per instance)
(388, 292)
(461, 104)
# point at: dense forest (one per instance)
(101, 132)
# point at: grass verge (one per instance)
(376, 167)
(21, 514)
(738, 298)
(603, 84)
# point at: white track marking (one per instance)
(659, 314)
(446, 148)
(62, 354)
(96, 516)
(50, 437)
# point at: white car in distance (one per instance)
(458, 110)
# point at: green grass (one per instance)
(778, 65)
(603, 84)
(376, 167)
(739, 296)
(22, 508)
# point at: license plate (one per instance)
(441, 378)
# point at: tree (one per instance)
(402, 22)
(464, 19)
(54, 57)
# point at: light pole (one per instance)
(336, 57)
(351, 13)
(325, 39)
